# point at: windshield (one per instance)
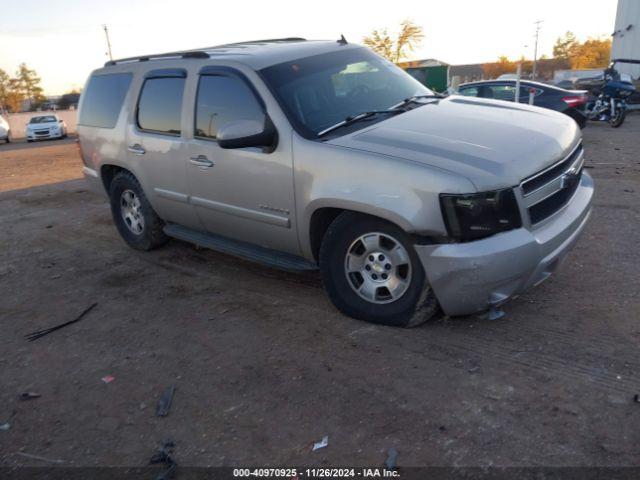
(47, 119)
(319, 91)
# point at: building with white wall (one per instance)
(626, 36)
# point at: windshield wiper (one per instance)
(357, 118)
(413, 98)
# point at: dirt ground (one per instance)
(264, 366)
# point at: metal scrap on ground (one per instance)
(164, 404)
(29, 396)
(41, 333)
(38, 457)
(392, 459)
(321, 444)
(165, 455)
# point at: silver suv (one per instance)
(322, 155)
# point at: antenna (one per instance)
(535, 50)
(342, 41)
(106, 32)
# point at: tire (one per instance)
(343, 246)
(8, 139)
(29, 141)
(128, 199)
(619, 119)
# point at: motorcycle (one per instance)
(608, 102)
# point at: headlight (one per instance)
(479, 215)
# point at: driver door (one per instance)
(243, 193)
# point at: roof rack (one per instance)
(145, 58)
(200, 53)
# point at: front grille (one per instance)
(546, 176)
(548, 191)
(555, 202)
(42, 132)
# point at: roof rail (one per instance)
(144, 58)
(268, 40)
(200, 53)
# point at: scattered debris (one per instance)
(164, 404)
(29, 396)
(41, 333)
(165, 455)
(391, 463)
(38, 457)
(321, 444)
(5, 427)
(49, 226)
(636, 398)
(473, 369)
(108, 378)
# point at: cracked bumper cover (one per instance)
(472, 277)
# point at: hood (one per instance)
(493, 144)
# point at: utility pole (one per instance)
(535, 50)
(106, 32)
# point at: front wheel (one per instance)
(371, 272)
(618, 119)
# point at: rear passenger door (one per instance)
(156, 146)
(243, 193)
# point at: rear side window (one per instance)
(223, 99)
(103, 99)
(160, 105)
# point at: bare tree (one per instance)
(409, 37)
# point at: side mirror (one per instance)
(247, 133)
(60, 121)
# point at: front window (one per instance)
(45, 119)
(224, 99)
(320, 91)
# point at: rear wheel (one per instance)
(371, 272)
(137, 222)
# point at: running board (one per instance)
(247, 251)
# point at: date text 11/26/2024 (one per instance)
(313, 473)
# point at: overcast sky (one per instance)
(63, 39)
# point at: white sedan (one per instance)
(5, 132)
(46, 126)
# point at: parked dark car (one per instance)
(569, 102)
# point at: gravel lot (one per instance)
(264, 366)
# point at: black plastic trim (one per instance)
(166, 73)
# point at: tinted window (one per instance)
(501, 92)
(160, 105)
(223, 99)
(322, 90)
(103, 98)
(47, 119)
(469, 92)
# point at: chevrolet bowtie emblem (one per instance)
(567, 179)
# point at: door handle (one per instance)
(201, 161)
(136, 149)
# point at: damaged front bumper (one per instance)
(473, 277)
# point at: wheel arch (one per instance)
(322, 215)
(108, 172)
